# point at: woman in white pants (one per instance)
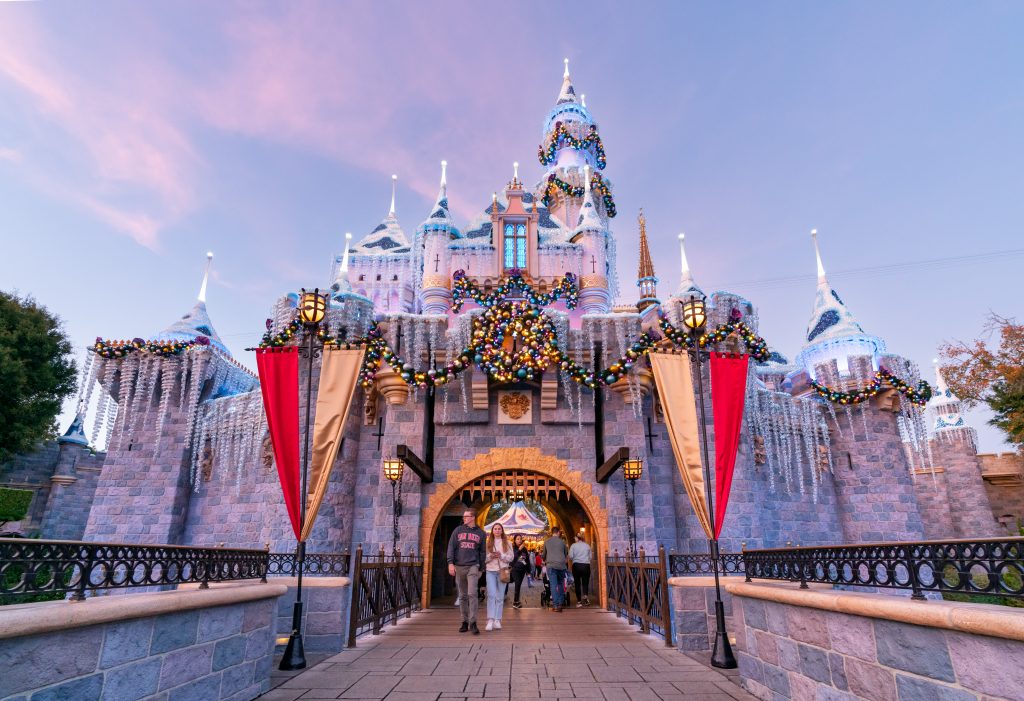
(499, 555)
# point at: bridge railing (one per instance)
(30, 567)
(385, 587)
(637, 589)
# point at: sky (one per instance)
(134, 137)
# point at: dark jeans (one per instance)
(581, 575)
(557, 578)
(517, 578)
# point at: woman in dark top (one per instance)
(519, 567)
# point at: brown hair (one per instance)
(504, 538)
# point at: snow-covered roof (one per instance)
(386, 239)
(195, 323)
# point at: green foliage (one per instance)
(14, 504)
(37, 373)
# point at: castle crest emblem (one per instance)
(514, 405)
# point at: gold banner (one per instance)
(672, 375)
(339, 376)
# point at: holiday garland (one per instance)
(165, 349)
(464, 287)
(562, 136)
(597, 184)
(916, 395)
(756, 346)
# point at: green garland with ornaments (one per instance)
(165, 349)
(464, 288)
(561, 136)
(916, 395)
(597, 184)
(756, 346)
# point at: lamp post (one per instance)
(393, 469)
(312, 310)
(694, 319)
(632, 470)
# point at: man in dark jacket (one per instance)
(465, 563)
(555, 560)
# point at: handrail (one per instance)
(32, 567)
(385, 586)
(637, 588)
(315, 565)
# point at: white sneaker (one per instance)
(497, 624)
(579, 604)
(490, 625)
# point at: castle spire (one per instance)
(940, 381)
(394, 182)
(686, 283)
(206, 277)
(444, 177)
(817, 254)
(568, 92)
(646, 280)
(830, 318)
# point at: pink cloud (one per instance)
(10, 154)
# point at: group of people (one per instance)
(502, 560)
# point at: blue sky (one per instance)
(134, 138)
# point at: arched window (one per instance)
(515, 246)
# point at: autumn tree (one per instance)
(37, 373)
(978, 373)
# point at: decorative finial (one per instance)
(566, 74)
(586, 178)
(494, 204)
(817, 254)
(344, 258)
(684, 265)
(206, 277)
(583, 100)
(444, 177)
(394, 183)
(940, 382)
(515, 171)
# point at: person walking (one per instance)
(499, 556)
(465, 562)
(579, 565)
(520, 567)
(555, 561)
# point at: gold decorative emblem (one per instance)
(515, 405)
(588, 281)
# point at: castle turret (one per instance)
(197, 321)
(380, 264)
(591, 235)
(944, 406)
(833, 333)
(646, 280)
(434, 235)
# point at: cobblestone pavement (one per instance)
(577, 654)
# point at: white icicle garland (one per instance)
(170, 370)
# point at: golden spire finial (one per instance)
(646, 264)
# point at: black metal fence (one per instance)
(638, 589)
(38, 567)
(315, 565)
(989, 566)
(697, 564)
(385, 587)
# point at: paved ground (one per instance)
(577, 654)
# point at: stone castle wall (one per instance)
(32, 471)
(1004, 483)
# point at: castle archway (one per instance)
(509, 469)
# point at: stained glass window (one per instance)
(514, 252)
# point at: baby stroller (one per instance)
(545, 596)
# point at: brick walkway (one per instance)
(578, 654)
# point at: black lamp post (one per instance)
(312, 310)
(393, 469)
(694, 318)
(632, 470)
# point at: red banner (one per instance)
(279, 382)
(728, 390)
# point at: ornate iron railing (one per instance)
(316, 564)
(695, 564)
(638, 589)
(385, 587)
(990, 566)
(32, 567)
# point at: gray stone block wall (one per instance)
(71, 493)
(223, 652)
(967, 501)
(32, 471)
(693, 616)
(325, 614)
(793, 652)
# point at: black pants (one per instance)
(581, 575)
(517, 578)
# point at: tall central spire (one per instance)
(568, 92)
(206, 277)
(645, 278)
(394, 183)
(686, 282)
(817, 254)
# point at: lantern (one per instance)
(312, 307)
(694, 313)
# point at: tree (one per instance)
(977, 373)
(37, 373)
(14, 504)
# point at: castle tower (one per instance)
(833, 334)
(197, 321)
(432, 239)
(645, 278)
(592, 236)
(380, 265)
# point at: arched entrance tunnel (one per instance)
(491, 482)
(525, 502)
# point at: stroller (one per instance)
(545, 596)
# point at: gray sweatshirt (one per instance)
(554, 553)
(466, 546)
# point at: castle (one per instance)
(187, 457)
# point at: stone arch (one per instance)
(496, 460)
